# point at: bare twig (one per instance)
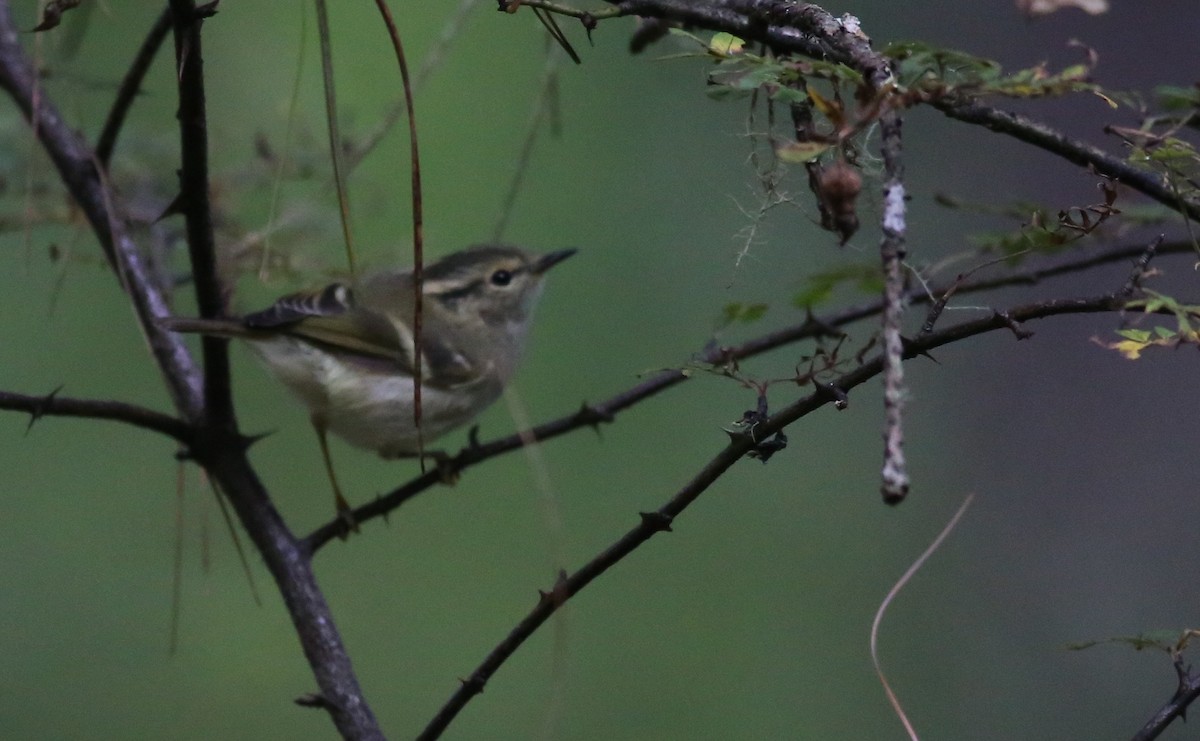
(197, 210)
(131, 86)
(53, 405)
(542, 107)
(418, 224)
(335, 136)
(1146, 182)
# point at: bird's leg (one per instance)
(345, 512)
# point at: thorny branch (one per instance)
(592, 415)
(662, 519)
(1147, 183)
(76, 166)
(53, 405)
(197, 210)
(214, 440)
(1187, 691)
(802, 28)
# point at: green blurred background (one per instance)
(751, 619)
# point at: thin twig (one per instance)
(197, 208)
(131, 86)
(1040, 135)
(335, 135)
(285, 152)
(541, 109)
(53, 405)
(418, 226)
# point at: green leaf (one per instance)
(725, 45)
(1173, 98)
(866, 277)
(1137, 335)
(744, 313)
(796, 153)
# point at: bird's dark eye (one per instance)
(501, 278)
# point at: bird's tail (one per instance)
(211, 327)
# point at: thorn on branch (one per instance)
(473, 444)
(1018, 331)
(52, 14)
(174, 208)
(313, 700)
(207, 10)
(592, 416)
(912, 349)
(558, 595)
(40, 408)
(589, 23)
(245, 441)
(657, 521)
(473, 685)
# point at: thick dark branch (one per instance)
(197, 209)
(291, 567)
(131, 86)
(1185, 694)
(807, 29)
(662, 519)
(1146, 182)
(53, 405)
(77, 168)
(592, 415)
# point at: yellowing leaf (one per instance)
(725, 45)
(797, 153)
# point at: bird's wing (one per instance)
(332, 317)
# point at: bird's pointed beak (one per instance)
(550, 259)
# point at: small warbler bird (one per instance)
(347, 350)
